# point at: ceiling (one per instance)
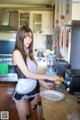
(26, 3)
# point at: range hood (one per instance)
(5, 27)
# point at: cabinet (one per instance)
(12, 22)
(24, 18)
(37, 23)
(47, 22)
(42, 22)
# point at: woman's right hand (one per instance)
(47, 85)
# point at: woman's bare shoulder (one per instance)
(16, 56)
(16, 53)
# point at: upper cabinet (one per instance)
(24, 18)
(13, 22)
(39, 21)
(42, 22)
(47, 22)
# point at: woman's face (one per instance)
(27, 39)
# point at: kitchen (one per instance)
(35, 19)
(40, 36)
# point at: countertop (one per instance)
(64, 109)
(10, 77)
(67, 107)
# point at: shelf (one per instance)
(24, 19)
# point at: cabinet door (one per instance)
(36, 21)
(47, 22)
(13, 19)
(42, 22)
(24, 18)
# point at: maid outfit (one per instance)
(26, 87)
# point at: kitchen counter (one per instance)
(66, 109)
(69, 106)
(10, 77)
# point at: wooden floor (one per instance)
(6, 102)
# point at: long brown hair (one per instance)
(19, 44)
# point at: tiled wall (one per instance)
(7, 35)
(39, 42)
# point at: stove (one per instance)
(6, 58)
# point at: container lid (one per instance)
(52, 95)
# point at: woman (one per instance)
(26, 95)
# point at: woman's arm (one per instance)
(18, 60)
(47, 85)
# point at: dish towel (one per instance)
(3, 68)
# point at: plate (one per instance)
(52, 95)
